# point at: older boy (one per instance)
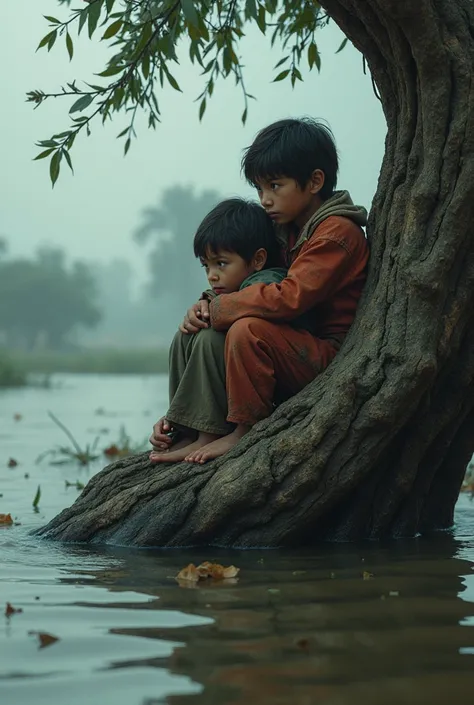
(293, 164)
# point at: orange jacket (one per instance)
(326, 277)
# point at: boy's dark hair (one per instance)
(239, 226)
(293, 148)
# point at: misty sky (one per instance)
(93, 213)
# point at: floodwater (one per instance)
(338, 625)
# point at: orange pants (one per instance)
(266, 362)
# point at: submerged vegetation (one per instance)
(74, 453)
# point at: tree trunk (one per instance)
(377, 446)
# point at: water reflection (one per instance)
(341, 625)
(295, 629)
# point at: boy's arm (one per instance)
(327, 261)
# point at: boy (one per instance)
(293, 164)
(236, 245)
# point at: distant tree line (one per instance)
(43, 299)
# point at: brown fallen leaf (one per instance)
(366, 575)
(12, 463)
(6, 519)
(205, 570)
(9, 610)
(112, 450)
(17, 417)
(44, 638)
(190, 573)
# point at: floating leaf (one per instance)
(112, 451)
(189, 573)
(367, 576)
(44, 638)
(9, 610)
(12, 463)
(17, 417)
(6, 519)
(206, 570)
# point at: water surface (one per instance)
(341, 624)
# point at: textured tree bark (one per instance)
(376, 446)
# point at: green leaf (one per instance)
(81, 104)
(244, 116)
(93, 16)
(281, 75)
(69, 46)
(46, 39)
(262, 25)
(342, 45)
(146, 66)
(172, 81)
(127, 146)
(109, 5)
(37, 497)
(82, 19)
(251, 9)
(124, 132)
(111, 71)
(53, 20)
(47, 143)
(190, 12)
(202, 108)
(44, 154)
(112, 29)
(52, 39)
(68, 159)
(282, 61)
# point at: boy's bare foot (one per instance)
(178, 454)
(218, 447)
(182, 443)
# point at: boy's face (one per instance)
(285, 201)
(227, 270)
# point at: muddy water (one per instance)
(338, 625)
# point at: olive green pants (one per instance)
(197, 383)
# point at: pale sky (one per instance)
(93, 213)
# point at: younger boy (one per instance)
(293, 164)
(236, 245)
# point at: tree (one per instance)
(175, 273)
(42, 297)
(378, 445)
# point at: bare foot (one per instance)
(178, 454)
(182, 443)
(218, 447)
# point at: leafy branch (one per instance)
(145, 34)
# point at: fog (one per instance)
(93, 214)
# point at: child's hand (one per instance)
(159, 438)
(196, 318)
